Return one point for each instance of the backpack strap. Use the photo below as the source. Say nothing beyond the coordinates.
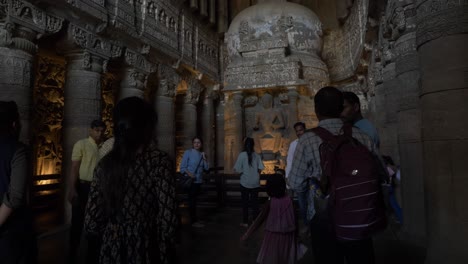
(324, 134)
(347, 130)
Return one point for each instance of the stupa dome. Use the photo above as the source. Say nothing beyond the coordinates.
(275, 23)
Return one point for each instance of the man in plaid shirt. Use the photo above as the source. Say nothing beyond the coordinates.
(306, 164)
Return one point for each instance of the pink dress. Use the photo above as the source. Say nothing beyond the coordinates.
(279, 242)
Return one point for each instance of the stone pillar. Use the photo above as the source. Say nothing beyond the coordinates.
(82, 97)
(233, 129)
(212, 11)
(208, 126)
(442, 38)
(189, 112)
(220, 131)
(409, 138)
(222, 16)
(133, 83)
(204, 8)
(389, 134)
(16, 68)
(165, 111)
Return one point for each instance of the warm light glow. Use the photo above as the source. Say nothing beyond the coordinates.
(45, 166)
(47, 192)
(47, 182)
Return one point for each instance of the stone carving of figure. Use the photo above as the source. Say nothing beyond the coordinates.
(5, 35)
(267, 122)
(139, 80)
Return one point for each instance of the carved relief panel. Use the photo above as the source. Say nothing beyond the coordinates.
(48, 115)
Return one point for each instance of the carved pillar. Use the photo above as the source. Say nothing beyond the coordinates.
(409, 122)
(233, 129)
(441, 38)
(194, 4)
(220, 106)
(189, 111)
(133, 83)
(16, 61)
(165, 112)
(204, 8)
(82, 97)
(208, 125)
(222, 16)
(212, 11)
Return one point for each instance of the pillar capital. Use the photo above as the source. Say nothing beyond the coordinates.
(84, 60)
(79, 38)
(168, 81)
(436, 19)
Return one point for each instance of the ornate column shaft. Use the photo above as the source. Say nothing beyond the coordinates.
(212, 11)
(222, 15)
(189, 111)
(208, 126)
(441, 38)
(220, 106)
(233, 129)
(82, 96)
(165, 112)
(16, 68)
(409, 122)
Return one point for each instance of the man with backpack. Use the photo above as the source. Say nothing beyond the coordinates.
(343, 162)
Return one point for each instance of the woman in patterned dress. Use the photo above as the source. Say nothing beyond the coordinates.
(132, 202)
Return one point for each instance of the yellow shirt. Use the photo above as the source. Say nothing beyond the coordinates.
(86, 151)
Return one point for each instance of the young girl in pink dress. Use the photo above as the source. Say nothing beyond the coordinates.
(279, 243)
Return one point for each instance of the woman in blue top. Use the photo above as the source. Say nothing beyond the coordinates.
(193, 163)
(249, 165)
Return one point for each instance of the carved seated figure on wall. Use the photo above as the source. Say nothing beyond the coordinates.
(266, 133)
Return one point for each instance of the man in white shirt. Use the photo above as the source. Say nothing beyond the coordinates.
(300, 128)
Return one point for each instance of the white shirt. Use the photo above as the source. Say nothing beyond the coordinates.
(290, 157)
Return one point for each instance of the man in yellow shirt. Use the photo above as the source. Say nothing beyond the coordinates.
(85, 157)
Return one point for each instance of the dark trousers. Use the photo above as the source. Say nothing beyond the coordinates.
(17, 239)
(192, 201)
(77, 222)
(249, 199)
(327, 250)
(357, 252)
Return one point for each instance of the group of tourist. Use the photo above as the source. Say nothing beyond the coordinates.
(338, 177)
(124, 195)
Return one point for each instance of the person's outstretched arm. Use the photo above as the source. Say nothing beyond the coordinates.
(258, 221)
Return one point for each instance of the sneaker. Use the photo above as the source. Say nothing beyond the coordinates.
(244, 224)
(198, 225)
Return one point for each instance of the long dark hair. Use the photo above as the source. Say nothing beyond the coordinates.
(133, 126)
(276, 185)
(249, 148)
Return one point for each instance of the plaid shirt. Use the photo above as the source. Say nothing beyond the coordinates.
(306, 161)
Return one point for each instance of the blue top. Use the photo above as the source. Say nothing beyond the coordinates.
(190, 161)
(366, 126)
(250, 177)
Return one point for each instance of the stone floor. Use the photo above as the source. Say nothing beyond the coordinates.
(218, 242)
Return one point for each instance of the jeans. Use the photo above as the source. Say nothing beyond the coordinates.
(395, 206)
(302, 202)
(249, 199)
(192, 201)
